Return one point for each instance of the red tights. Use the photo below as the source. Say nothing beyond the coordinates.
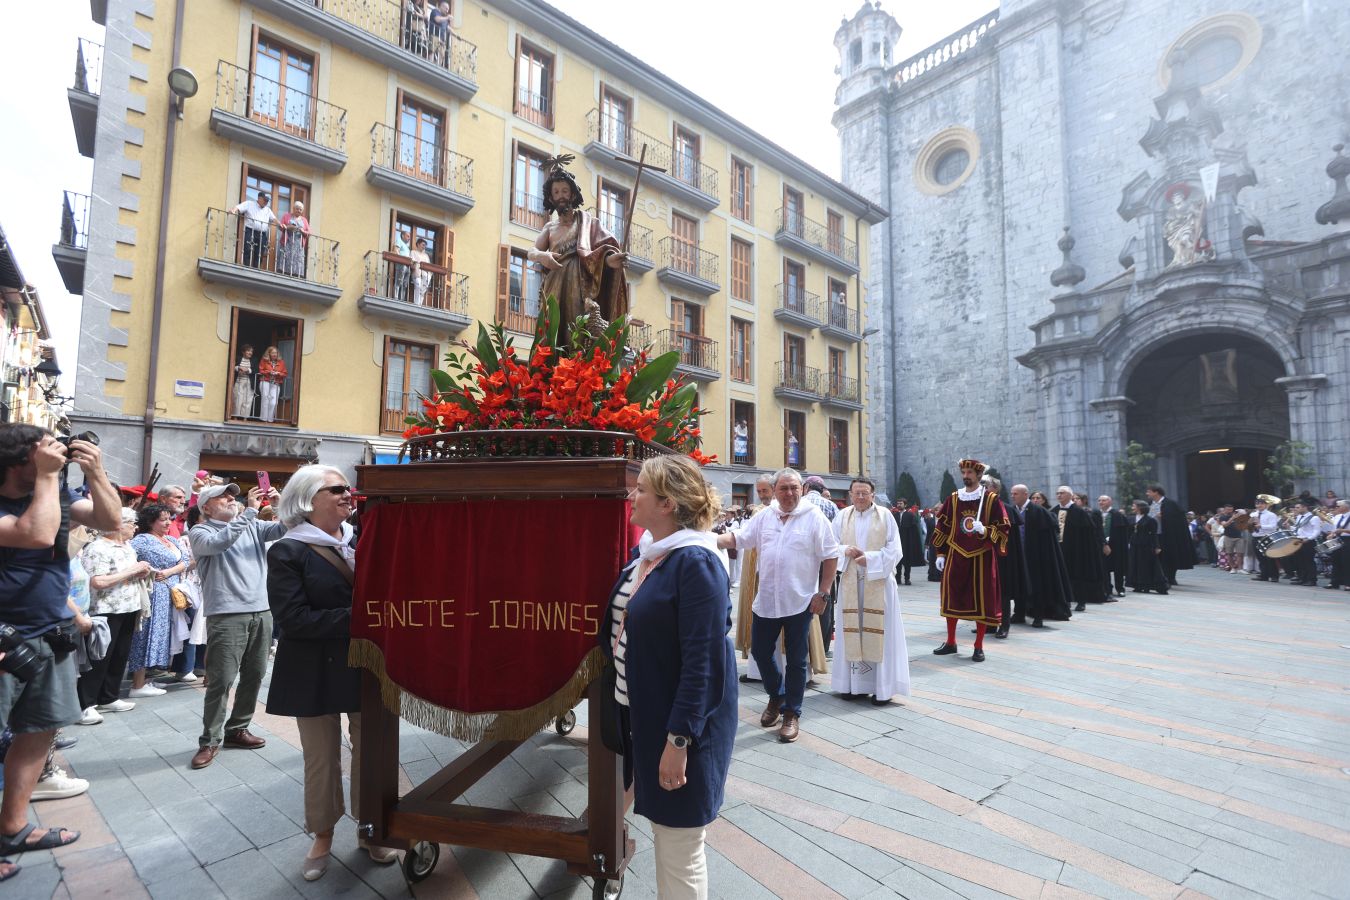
(980, 628)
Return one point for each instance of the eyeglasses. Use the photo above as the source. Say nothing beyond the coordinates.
(337, 490)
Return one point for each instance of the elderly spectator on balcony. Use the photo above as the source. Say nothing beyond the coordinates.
(271, 376)
(440, 33)
(242, 399)
(415, 18)
(402, 247)
(291, 244)
(421, 276)
(258, 221)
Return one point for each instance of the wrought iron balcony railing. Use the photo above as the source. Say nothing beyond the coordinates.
(798, 300)
(75, 221)
(639, 334)
(639, 237)
(816, 235)
(251, 96)
(394, 23)
(88, 67)
(423, 160)
(843, 317)
(694, 349)
(398, 405)
(400, 278)
(792, 377)
(840, 387)
(689, 258)
(535, 108)
(277, 251)
(528, 209)
(621, 137)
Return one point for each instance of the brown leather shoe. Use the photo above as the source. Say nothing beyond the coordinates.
(788, 733)
(243, 740)
(771, 715)
(205, 756)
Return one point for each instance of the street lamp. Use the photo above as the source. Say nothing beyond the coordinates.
(183, 84)
(867, 333)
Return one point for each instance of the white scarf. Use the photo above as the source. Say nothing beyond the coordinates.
(306, 533)
(650, 550)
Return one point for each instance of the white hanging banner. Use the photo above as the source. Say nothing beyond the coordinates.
(1209, 178)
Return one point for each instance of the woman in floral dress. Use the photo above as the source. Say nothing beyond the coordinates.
(150, 646)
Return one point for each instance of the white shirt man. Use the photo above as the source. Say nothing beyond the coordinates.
(866, 662)
(258, 214)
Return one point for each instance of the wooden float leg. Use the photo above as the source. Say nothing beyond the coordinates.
(379, 763)
(606, 832)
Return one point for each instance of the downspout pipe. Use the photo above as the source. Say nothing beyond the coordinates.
(157, 315)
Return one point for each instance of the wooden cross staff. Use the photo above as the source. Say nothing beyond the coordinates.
(641, 163)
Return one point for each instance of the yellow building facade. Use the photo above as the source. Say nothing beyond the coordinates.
(392, 128)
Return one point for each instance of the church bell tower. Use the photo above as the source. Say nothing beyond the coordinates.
(866, 45)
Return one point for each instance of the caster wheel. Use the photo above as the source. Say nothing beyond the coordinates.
(566, 722)
(420, 860)
(605, 889)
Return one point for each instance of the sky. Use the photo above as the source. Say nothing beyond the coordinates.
(768, 64)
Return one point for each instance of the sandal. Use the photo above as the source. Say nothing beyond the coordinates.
(18, 842)
(13, 870)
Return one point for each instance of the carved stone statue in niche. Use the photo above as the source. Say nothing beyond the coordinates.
(1184, 227)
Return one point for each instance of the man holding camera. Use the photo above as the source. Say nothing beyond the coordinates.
(37, 633)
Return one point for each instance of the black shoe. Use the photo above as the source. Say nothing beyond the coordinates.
(1137, 590)
(1162, 593)
(1037, 623)
(746, 679)
(944, 650)
(1110, 599)
(1325, 587)
(977, 656)
(908, 582)
(876, 702)
(1018, 620)
(1082, 607)
(1002, 631)
(1260, 578)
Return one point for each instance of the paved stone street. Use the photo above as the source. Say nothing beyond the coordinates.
(1190, 745)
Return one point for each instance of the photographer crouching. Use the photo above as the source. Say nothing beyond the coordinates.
(37, 634)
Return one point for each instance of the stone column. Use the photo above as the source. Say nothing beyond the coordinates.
(1108, 442)
(1067, 441)
(1303, 421)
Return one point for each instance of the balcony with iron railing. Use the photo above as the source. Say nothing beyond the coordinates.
(796, 382)
(686, 266)
(518, 313)
(537, 109)
(72, 246)
(841, 321)
(528, 209)
(798, 306)
(415, 293)
(271, 261)
(639, 334)
(272, 117)
(390, 35)
(813, 239)
(83, 94)
(398, 405)
(420, 170)
(698, 354)
(640, 258)
(840, 391)
(611, 140)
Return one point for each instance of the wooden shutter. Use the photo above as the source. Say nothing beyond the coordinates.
(447, 254)
(503, 280)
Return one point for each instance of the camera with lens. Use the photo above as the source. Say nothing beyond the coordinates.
(86, 436)
(20, 660)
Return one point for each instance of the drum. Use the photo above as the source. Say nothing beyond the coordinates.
(1328, 547)
(1279, 545)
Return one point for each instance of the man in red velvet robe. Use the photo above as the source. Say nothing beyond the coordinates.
(969, 535)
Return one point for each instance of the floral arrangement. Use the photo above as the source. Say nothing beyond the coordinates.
(597, 382)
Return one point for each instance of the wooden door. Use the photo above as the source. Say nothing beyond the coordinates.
(684, 252)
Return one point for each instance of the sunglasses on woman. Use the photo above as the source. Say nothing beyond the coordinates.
(337, 490)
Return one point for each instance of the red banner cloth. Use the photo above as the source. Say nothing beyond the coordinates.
(483, 606)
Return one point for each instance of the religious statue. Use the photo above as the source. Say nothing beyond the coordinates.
(581, 260)
(1183, 228)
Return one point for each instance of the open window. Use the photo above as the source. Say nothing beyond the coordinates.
(742, 433)
(407, 377)
(256, 395)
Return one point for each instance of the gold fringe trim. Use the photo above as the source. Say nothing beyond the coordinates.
(506, 725)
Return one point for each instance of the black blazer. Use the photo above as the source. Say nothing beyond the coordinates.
(312, 605)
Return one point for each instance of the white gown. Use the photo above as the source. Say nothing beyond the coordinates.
(890, 677)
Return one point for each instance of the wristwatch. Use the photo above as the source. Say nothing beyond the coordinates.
(678, 741)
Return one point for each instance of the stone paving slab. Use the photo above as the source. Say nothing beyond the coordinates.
(1137, 751)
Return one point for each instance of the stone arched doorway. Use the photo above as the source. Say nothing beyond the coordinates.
(1210, 407)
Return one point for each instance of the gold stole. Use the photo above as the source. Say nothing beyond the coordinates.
(868, 642)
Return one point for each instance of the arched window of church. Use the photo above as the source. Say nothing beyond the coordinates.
(951, 166)
(1212, 58)
(855, 52)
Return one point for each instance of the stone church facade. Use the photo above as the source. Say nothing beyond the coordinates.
(1199, 300)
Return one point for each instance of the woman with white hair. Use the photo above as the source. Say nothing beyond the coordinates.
(309, 588)
(119, 591)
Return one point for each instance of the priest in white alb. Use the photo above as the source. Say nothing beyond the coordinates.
(870, 655)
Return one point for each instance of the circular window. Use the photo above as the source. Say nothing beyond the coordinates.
(1213, 51)
(946, 161)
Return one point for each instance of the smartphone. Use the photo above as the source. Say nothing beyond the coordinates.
(265, 486)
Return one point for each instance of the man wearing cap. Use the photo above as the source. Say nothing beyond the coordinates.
(969, 535)
(258, 220)
(1266, 523)
(230, 548)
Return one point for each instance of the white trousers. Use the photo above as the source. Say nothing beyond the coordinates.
(270, 394)
(681, 865)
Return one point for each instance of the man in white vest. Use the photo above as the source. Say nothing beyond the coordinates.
(870, 652)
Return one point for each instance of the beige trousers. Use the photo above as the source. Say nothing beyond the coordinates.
(321, 745)
(681, 865)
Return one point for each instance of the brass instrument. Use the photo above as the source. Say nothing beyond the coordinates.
(1242, 522)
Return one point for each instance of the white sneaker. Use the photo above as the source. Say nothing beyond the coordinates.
(149, 690)
(118, 705)
(59, 786)
(186, 678)
(91, 717)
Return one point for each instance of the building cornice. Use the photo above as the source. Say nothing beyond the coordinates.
(569, 33)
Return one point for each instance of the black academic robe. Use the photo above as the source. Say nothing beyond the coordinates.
(1012, 568)
(911, 540)
(1049, 596)
(1178, 550)
(933, 573)
(1145, 572)
(1081, 544)
(1117, 529)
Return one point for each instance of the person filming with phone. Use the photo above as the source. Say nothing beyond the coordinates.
(37, 633)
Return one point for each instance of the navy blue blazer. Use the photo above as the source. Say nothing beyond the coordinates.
(681, 674)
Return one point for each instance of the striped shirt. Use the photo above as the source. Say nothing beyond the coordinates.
(618, 639)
